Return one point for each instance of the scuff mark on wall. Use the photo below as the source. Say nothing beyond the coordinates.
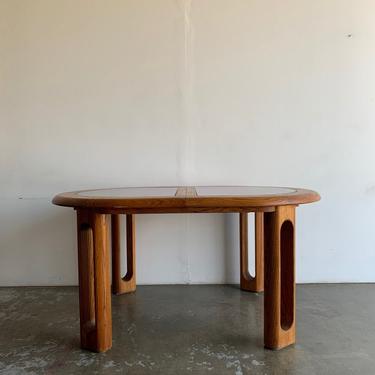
(370, 190)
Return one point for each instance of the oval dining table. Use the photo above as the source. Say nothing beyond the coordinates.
(274, 209)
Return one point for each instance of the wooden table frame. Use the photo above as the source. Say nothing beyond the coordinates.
(274, 260)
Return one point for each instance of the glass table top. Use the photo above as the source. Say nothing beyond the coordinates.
(241, 190)
(131, 192)
(203, 191)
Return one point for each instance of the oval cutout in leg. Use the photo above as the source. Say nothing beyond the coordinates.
(123, 284)
(287, 274)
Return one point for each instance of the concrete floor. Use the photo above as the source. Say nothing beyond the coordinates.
(189, 329)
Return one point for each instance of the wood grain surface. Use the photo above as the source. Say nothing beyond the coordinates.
(185, 199)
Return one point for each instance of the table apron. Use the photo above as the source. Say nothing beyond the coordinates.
(176, 210)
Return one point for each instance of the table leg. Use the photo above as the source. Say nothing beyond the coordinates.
(127, 283)
(94, 281)
(247, 282)
(279, 281)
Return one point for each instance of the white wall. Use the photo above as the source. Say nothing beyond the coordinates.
(115, 93)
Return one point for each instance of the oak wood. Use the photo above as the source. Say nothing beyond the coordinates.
(274, 234)
(186, 191)
(191, 191)
(247, 282)
(184, 201)
(279, 282)
(86, 280)
(94, 281)
(127, 283)
(176, 210)
(181, 192)
(259, 251)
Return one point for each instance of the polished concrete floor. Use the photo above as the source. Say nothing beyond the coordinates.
(189, 330)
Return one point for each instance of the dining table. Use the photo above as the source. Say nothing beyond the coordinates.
(99, 227)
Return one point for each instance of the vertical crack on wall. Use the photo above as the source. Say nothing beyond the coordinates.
(186, 159)
(187, 257)
(186, 153)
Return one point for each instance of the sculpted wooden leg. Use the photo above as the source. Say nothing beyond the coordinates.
(279, 281)
(94, 281)
(247, 282)
(127, 283)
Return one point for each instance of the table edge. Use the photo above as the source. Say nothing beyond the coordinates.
(299, 196)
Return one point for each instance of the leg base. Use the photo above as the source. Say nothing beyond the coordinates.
(279, 285)
(126, 284)
(94, 281)
(247, 282)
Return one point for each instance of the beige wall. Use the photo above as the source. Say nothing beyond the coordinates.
(115, 93)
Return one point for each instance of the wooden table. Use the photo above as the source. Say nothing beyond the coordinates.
(274, 210)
